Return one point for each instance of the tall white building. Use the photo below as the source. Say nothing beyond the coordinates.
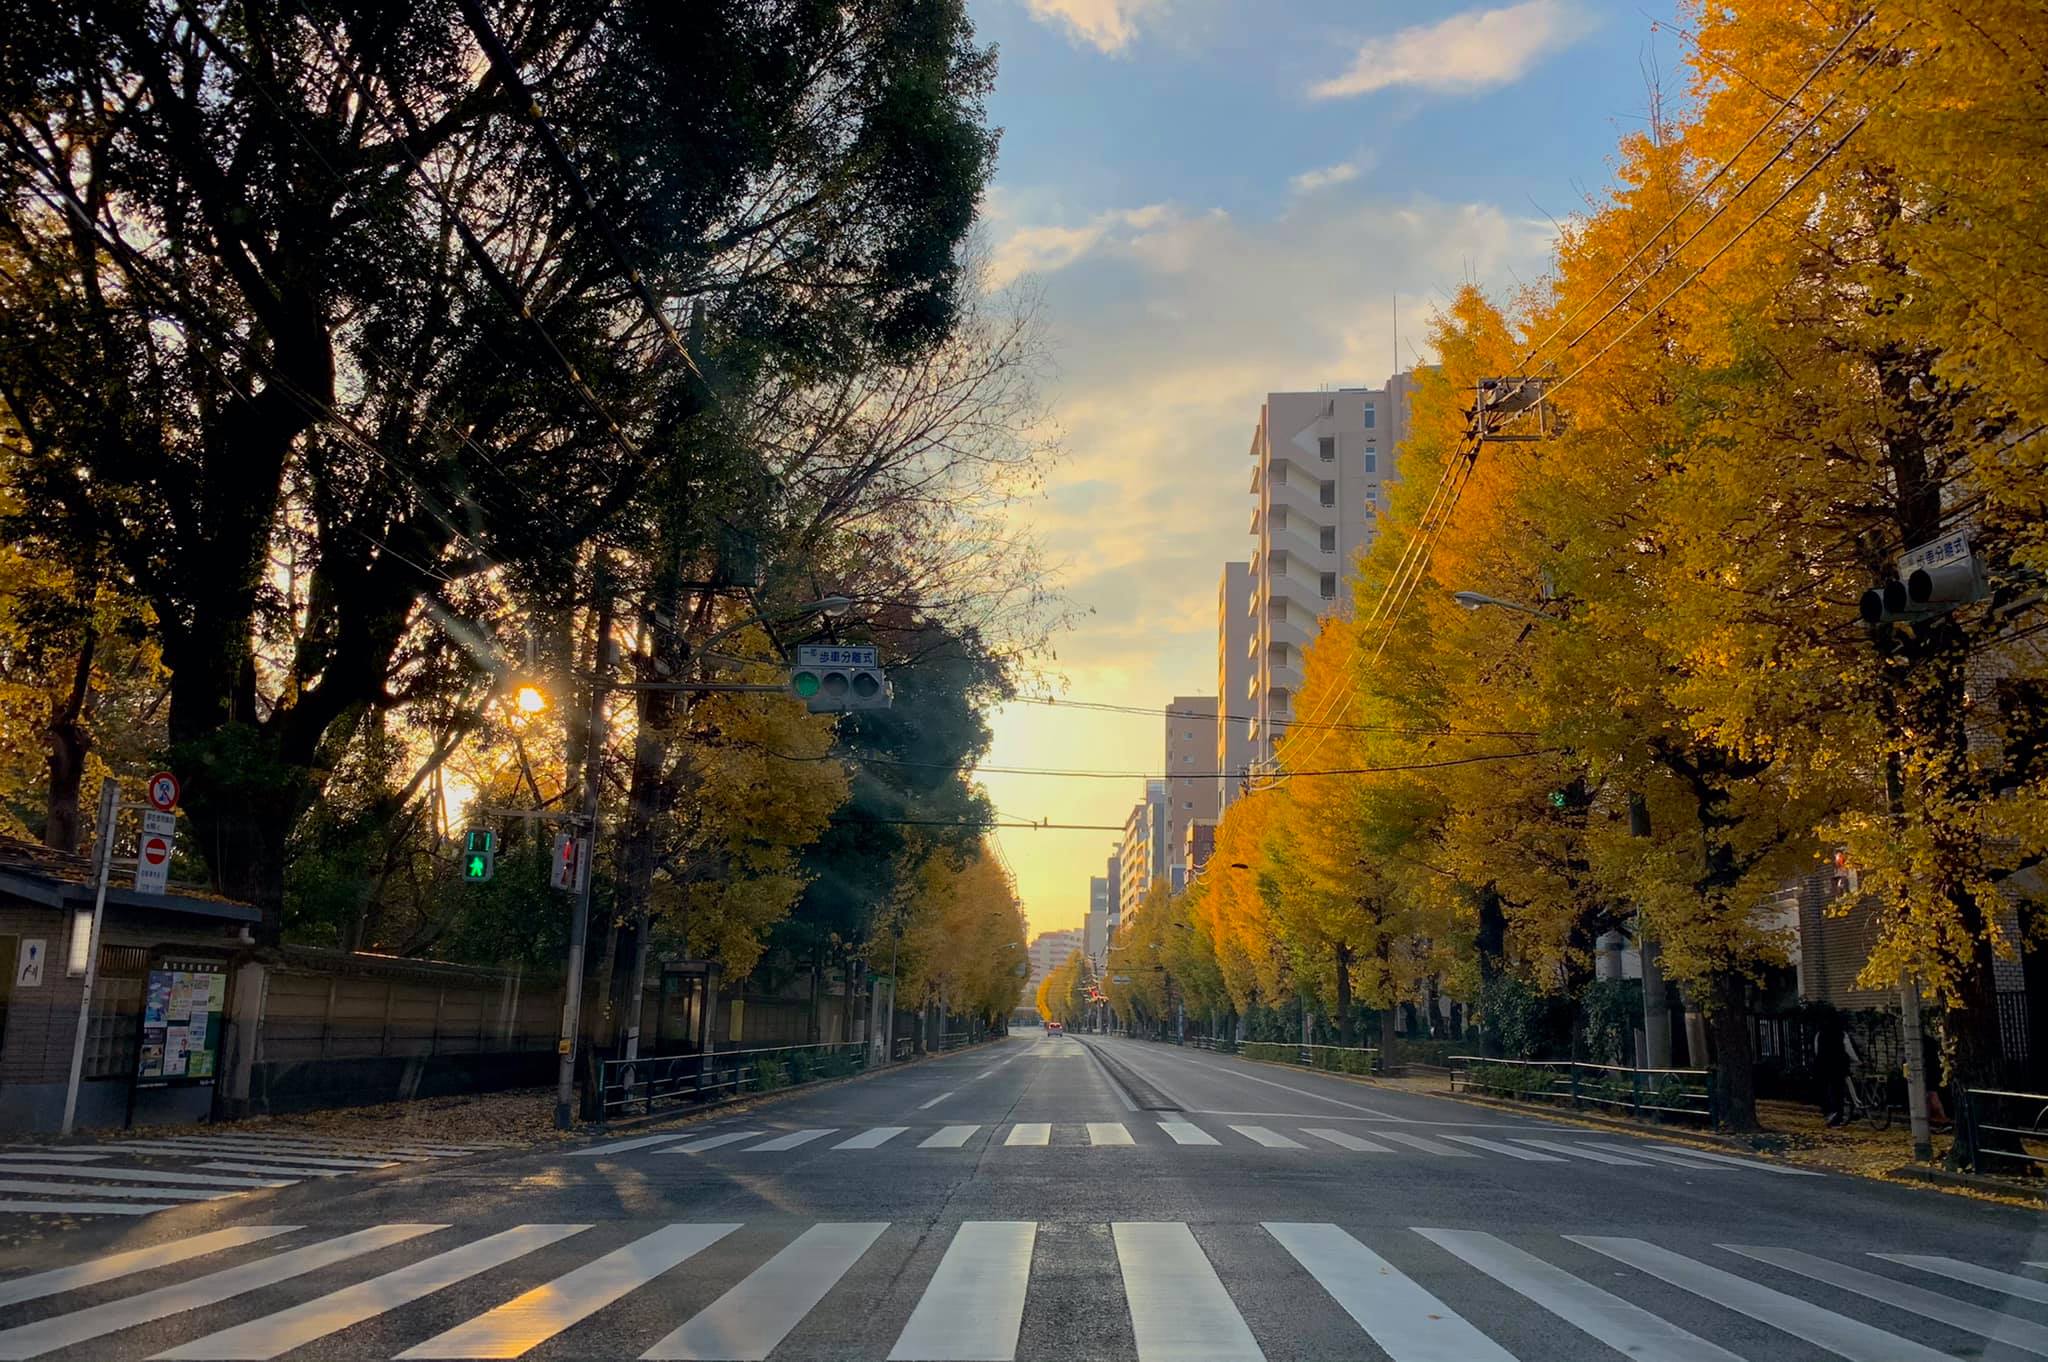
(1190, 777)
(1235, 698)
(1101, 908)
(1048, 951)
(1321, 463)
(1142, 861)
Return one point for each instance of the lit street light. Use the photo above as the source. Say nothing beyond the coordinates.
(1474, 600)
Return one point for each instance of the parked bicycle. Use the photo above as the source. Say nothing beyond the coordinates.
(1866, 1100)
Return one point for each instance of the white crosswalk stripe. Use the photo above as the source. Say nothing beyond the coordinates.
(1657, 1156)
(64, 1170)
(16, 1207)
(1733, 1162)
(2005, 1283)
(51, 1156)
(1346, 1140)
(125, 1191)
(1271, 1139)
(1109, 1133)
(1179, 1309)
(1511, 1150)
(279, 1170)
(872, 1139)
(790, 1141)
(1405, 1320)
(529, 1320)
(949, 1137)
(1579, 1151)
(1186, 1132)
(116, 1265)
(240, 1150)
(718, 1141)
(1034, 1133)
(598, 1151)
(1918, 1300)
(1850, 1338)
(974, 1307)
(273, 1334)
(97, 1321)
(1425, 1144)
(746, 1323)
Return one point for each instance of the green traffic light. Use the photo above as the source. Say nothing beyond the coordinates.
(805, 684)
(475, 869)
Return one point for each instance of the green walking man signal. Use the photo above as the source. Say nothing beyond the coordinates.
(479, 855)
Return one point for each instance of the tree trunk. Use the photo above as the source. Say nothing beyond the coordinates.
(1346, 1036)
(1492, 948)
(1734, 1064)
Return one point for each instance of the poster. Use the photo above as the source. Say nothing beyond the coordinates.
(181, 1026)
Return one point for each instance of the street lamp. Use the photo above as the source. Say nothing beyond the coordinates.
(1475, 600)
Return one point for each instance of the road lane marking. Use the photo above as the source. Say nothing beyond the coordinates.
(949, 1137)
(711, 1142)
(1405, 1320)
(1512, 1151)
(1756, 1164)
(96, 1270)
(54, 1156)
(923, 1106)
(1918, 1300)
(1628, 1329)
(273, 1169)
(621, 1146)
(1850, 1338)
(1183, 1132)
(1109, 1132)
(1179, 1309)
(1585, 1152)
(793, 1140)
(1271, 1139)
(974, 1306)
(126, 1190)
(2005, 1283)
(65, 1170)
(250, 1151)
(266, 1337)
(1637, 1151)
(1425, 1144)
(1030, 1133)
(872, 1139)
(1344, 1141)
(97, 1321)
(80, 1208)
(531, 1319)
(1298, 1092)
(747, 1322)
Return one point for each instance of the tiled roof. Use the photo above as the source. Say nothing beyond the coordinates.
(54, 878)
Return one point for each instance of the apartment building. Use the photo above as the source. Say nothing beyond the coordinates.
(1235, 747)
(1191, 790)
(1095, 928)
(1143, 857)
(1321, 465)
(1048, 951)
(1115, 877)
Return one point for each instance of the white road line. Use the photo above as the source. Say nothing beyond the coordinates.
(1850, 1338)
(97, 1321)
(1185, 1132)
(45, 1187)
(1271, 1139)
(529, 1320)
(1346, 1141)
(621, 1146)
(1425, 1144)
(96, 1270)
(793, 1140)
(1512, 1151)
(272, 1334)
(78, 1208)
(2005, 1283)
(926, 1106)
(1302, 1092)
(1580, 1151)
(1405, 1320)
(1917, 1300)
(1628, 1329)
(1756, 1165)
(246, 1151)
(746, 1323)
(272, 1169)
(1030, 1133)
(1637, 1151)
(53, 1156)
(147, 1175)
(712, 1142)
(974, 1306)
(1109, 1132)
(950, 1137)
(872, 1139)
(1179, 1310)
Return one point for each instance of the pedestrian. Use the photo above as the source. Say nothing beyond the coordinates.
(1830, 1065)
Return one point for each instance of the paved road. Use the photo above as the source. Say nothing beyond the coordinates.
(1057, 1199)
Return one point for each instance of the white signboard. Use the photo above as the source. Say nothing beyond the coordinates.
(1950, 548)
(153, 852)
(28, 966)
(836, 655)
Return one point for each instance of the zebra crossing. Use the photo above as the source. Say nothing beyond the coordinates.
(1189, 1293)
(1552, 1147)
(158, 1173)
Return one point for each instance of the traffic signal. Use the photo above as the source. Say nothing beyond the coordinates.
(1930, 580)
(571, 862)
(828, 688)
(479, 855)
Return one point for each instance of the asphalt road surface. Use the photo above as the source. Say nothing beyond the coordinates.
(1053, 1198)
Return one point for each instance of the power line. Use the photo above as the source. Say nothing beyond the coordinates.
(1076, 773)
(1056, 703)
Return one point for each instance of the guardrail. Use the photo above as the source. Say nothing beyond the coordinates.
(1222, 1045)
(638, 1086)
(1667, 1094)
(1336, 1059)
(2014, 1125)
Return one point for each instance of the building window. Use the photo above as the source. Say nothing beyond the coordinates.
(1279, 473)
(1329, 586)
(1329, 535)
(1329, 491)
(1326, 448)
(1372, 462)
(1372, 494)
(1187, 803)
(1369, 416)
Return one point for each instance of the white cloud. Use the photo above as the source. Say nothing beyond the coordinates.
(1045, 249)
(1476, 50)
(1309, 181)
(1106, 25)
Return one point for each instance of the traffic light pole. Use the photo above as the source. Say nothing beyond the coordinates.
(593, 780)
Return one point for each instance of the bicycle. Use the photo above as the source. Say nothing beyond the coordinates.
(1864, 1100)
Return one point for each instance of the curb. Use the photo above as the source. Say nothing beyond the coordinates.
(1973, 1182)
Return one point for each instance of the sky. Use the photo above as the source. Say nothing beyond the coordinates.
(1220, 198)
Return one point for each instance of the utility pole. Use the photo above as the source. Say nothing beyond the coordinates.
(593, 777)
(110, 807)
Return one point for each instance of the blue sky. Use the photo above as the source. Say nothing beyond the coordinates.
(1218, 198)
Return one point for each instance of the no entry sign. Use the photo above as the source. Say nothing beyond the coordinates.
(153, 852)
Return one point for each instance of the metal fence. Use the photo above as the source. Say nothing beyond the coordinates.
(1336, 1059)
(2005, 1132)
(1665, 1094)
(636, 1086)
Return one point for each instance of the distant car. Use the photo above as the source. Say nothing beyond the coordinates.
(1054, 1028)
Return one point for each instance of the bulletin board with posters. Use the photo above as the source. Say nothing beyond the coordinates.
(182, 1003)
